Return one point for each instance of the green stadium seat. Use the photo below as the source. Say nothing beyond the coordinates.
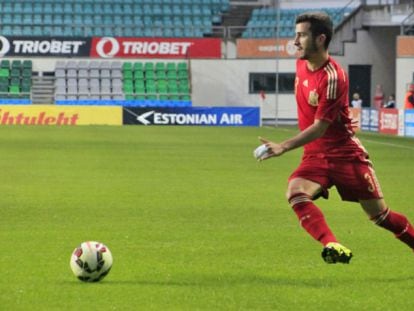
(27, 64)
(27, 72)
(26, 88)
(15, 81)
(140, 90)
(127, 66)
(172, 74)
(149, 74)
(151, 89)
(173, 90)
(182, 74)
(127, 74)
(138, 74)
(139, 83)
(162, 90)
(128, 88)
(4, 72)
(160, 67)
(161, 74)
(171, 67)
(139, 86)
(184, 81)
(183, 88)
(162, 83)
(4, 80)
(156, 80)
(128, 81)
(5, 64)
(15, 73)
(14, 89)
(150, 82)
(149, 66)
(27, 80)
(182, 66)
(138, 66)
(16, 64)
(172, 82)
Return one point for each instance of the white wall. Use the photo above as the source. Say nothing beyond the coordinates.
(41, 64)
(375, 47)
(405, 71)
(226, 83)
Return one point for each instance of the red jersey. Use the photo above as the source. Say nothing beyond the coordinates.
(323, 95)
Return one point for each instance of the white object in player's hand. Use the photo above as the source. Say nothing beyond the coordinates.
(260, 152)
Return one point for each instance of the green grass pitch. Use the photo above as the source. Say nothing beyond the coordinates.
(192, 220)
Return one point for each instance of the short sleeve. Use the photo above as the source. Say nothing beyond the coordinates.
(333, 95)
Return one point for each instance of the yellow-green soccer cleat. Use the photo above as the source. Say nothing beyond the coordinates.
(335, 252)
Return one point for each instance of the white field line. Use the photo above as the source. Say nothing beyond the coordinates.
(362, 139)
(388, 144)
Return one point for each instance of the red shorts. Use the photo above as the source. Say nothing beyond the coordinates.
(354, 178)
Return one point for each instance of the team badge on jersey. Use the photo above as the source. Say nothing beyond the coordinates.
(313, 99)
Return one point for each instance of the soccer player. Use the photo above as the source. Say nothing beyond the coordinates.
(332, 153)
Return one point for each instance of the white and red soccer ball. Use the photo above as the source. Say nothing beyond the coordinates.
(91, 261)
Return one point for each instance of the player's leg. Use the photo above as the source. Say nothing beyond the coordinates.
(395, 222)
(299, 194)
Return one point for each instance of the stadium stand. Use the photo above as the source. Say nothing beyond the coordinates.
(138, 18)
(165, 81)
(146, 83)
(127, 83)
(15, 81)
(263, 22)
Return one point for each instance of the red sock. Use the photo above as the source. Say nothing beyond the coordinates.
(311, 218)
(397, 224)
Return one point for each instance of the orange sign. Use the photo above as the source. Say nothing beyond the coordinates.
(266, 48)
(59, 115)
(405, 46)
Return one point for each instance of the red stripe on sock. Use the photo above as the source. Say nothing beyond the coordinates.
(399, 225)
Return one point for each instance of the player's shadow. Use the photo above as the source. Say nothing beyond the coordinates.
(234, 280)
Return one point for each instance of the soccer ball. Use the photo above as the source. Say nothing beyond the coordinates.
(91, 261)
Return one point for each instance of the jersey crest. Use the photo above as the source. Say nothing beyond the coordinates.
(313, 98)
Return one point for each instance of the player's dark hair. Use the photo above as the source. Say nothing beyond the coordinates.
(320, 23)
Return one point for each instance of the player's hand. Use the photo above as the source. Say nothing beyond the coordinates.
(274, 149)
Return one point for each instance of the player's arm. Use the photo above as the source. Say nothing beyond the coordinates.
(315, 131)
